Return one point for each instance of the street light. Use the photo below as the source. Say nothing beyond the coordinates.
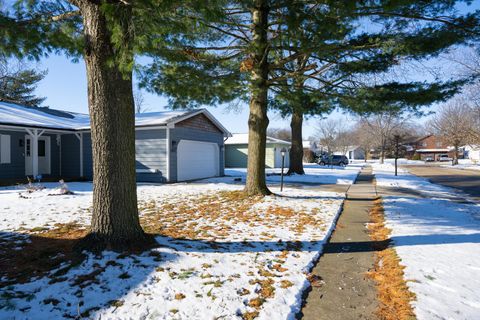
(397, 142)
(282, 152)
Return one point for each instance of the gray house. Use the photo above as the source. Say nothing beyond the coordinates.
(236, 152)
(170, 146)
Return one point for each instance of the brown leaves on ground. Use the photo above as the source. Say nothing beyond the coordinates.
(180, 296)
(214, 216)
(393, 294)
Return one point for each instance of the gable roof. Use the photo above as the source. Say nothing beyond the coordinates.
(242, 138)
(38, 117)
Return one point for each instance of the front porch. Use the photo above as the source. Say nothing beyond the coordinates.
(48, 154)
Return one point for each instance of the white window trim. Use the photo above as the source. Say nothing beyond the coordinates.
(5, 149)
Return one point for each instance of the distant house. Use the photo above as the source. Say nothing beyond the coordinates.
(472, 153)
(236, 151)
(353, 153)
(170, 146)
(430, 147)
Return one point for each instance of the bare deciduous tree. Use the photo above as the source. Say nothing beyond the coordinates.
(381, 127)
(363, 137)
(282, 133)
(139, 101)
(453, 124)
(334, 135)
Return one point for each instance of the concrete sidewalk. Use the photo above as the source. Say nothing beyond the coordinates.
(343, 290)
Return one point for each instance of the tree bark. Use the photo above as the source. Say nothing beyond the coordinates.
(258, 119)
(296, 151)
(115, 222)
(455, 156)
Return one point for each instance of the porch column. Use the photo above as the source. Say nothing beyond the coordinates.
(79, 135)
(35, 134)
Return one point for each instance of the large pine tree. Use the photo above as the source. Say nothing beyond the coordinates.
(107, 35)
(308, 57)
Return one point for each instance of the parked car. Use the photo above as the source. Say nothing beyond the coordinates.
(428, 159)
(335, 160)
(444, 157)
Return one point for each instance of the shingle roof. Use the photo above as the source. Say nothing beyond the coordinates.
(19, 115)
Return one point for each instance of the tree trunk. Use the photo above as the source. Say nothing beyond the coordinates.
(382, 152)
(115, 222)
(258, 120)
(296, 151)
(455, 156)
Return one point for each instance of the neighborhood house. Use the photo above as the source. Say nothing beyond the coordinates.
(236, 152)
(170, 146)
(429, 148)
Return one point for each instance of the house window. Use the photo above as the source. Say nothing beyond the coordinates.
(41, 148)
(5, 156)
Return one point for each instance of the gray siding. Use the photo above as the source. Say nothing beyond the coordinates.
(150, 146)
(16, 168)
(178, 134)
(150, 154)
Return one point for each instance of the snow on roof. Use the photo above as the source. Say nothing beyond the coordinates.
(14, 114)
(306, 143)
(433, 150)
(242, 138)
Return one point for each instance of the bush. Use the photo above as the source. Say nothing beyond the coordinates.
(416, 156)
(308, 156)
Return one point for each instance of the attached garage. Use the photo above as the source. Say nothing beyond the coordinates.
(197, 160)
(170, 146)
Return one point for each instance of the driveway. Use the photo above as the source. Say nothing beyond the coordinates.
(468, 181)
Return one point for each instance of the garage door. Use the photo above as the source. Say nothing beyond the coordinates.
(197, 160)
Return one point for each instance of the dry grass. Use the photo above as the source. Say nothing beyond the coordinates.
(211, 217)
(393, 294)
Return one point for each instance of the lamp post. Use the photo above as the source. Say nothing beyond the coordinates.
(397, 142)
(282, 152)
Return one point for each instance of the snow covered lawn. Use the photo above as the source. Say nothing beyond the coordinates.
(314, 173)
(438, 240)
(221, 255)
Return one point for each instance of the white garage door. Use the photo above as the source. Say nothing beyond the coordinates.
(196, 160)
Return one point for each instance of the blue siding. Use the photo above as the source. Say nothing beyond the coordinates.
(16, 168)
(87, 156)
(150, 148)
(54, 155)
(70, 156)
(179, 133)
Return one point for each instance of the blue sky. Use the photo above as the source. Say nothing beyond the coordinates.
(65, 87)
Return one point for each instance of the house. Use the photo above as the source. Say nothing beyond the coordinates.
(352, 153)
(236, 151)
(472, 153)
(170, 146)
(430, 147)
